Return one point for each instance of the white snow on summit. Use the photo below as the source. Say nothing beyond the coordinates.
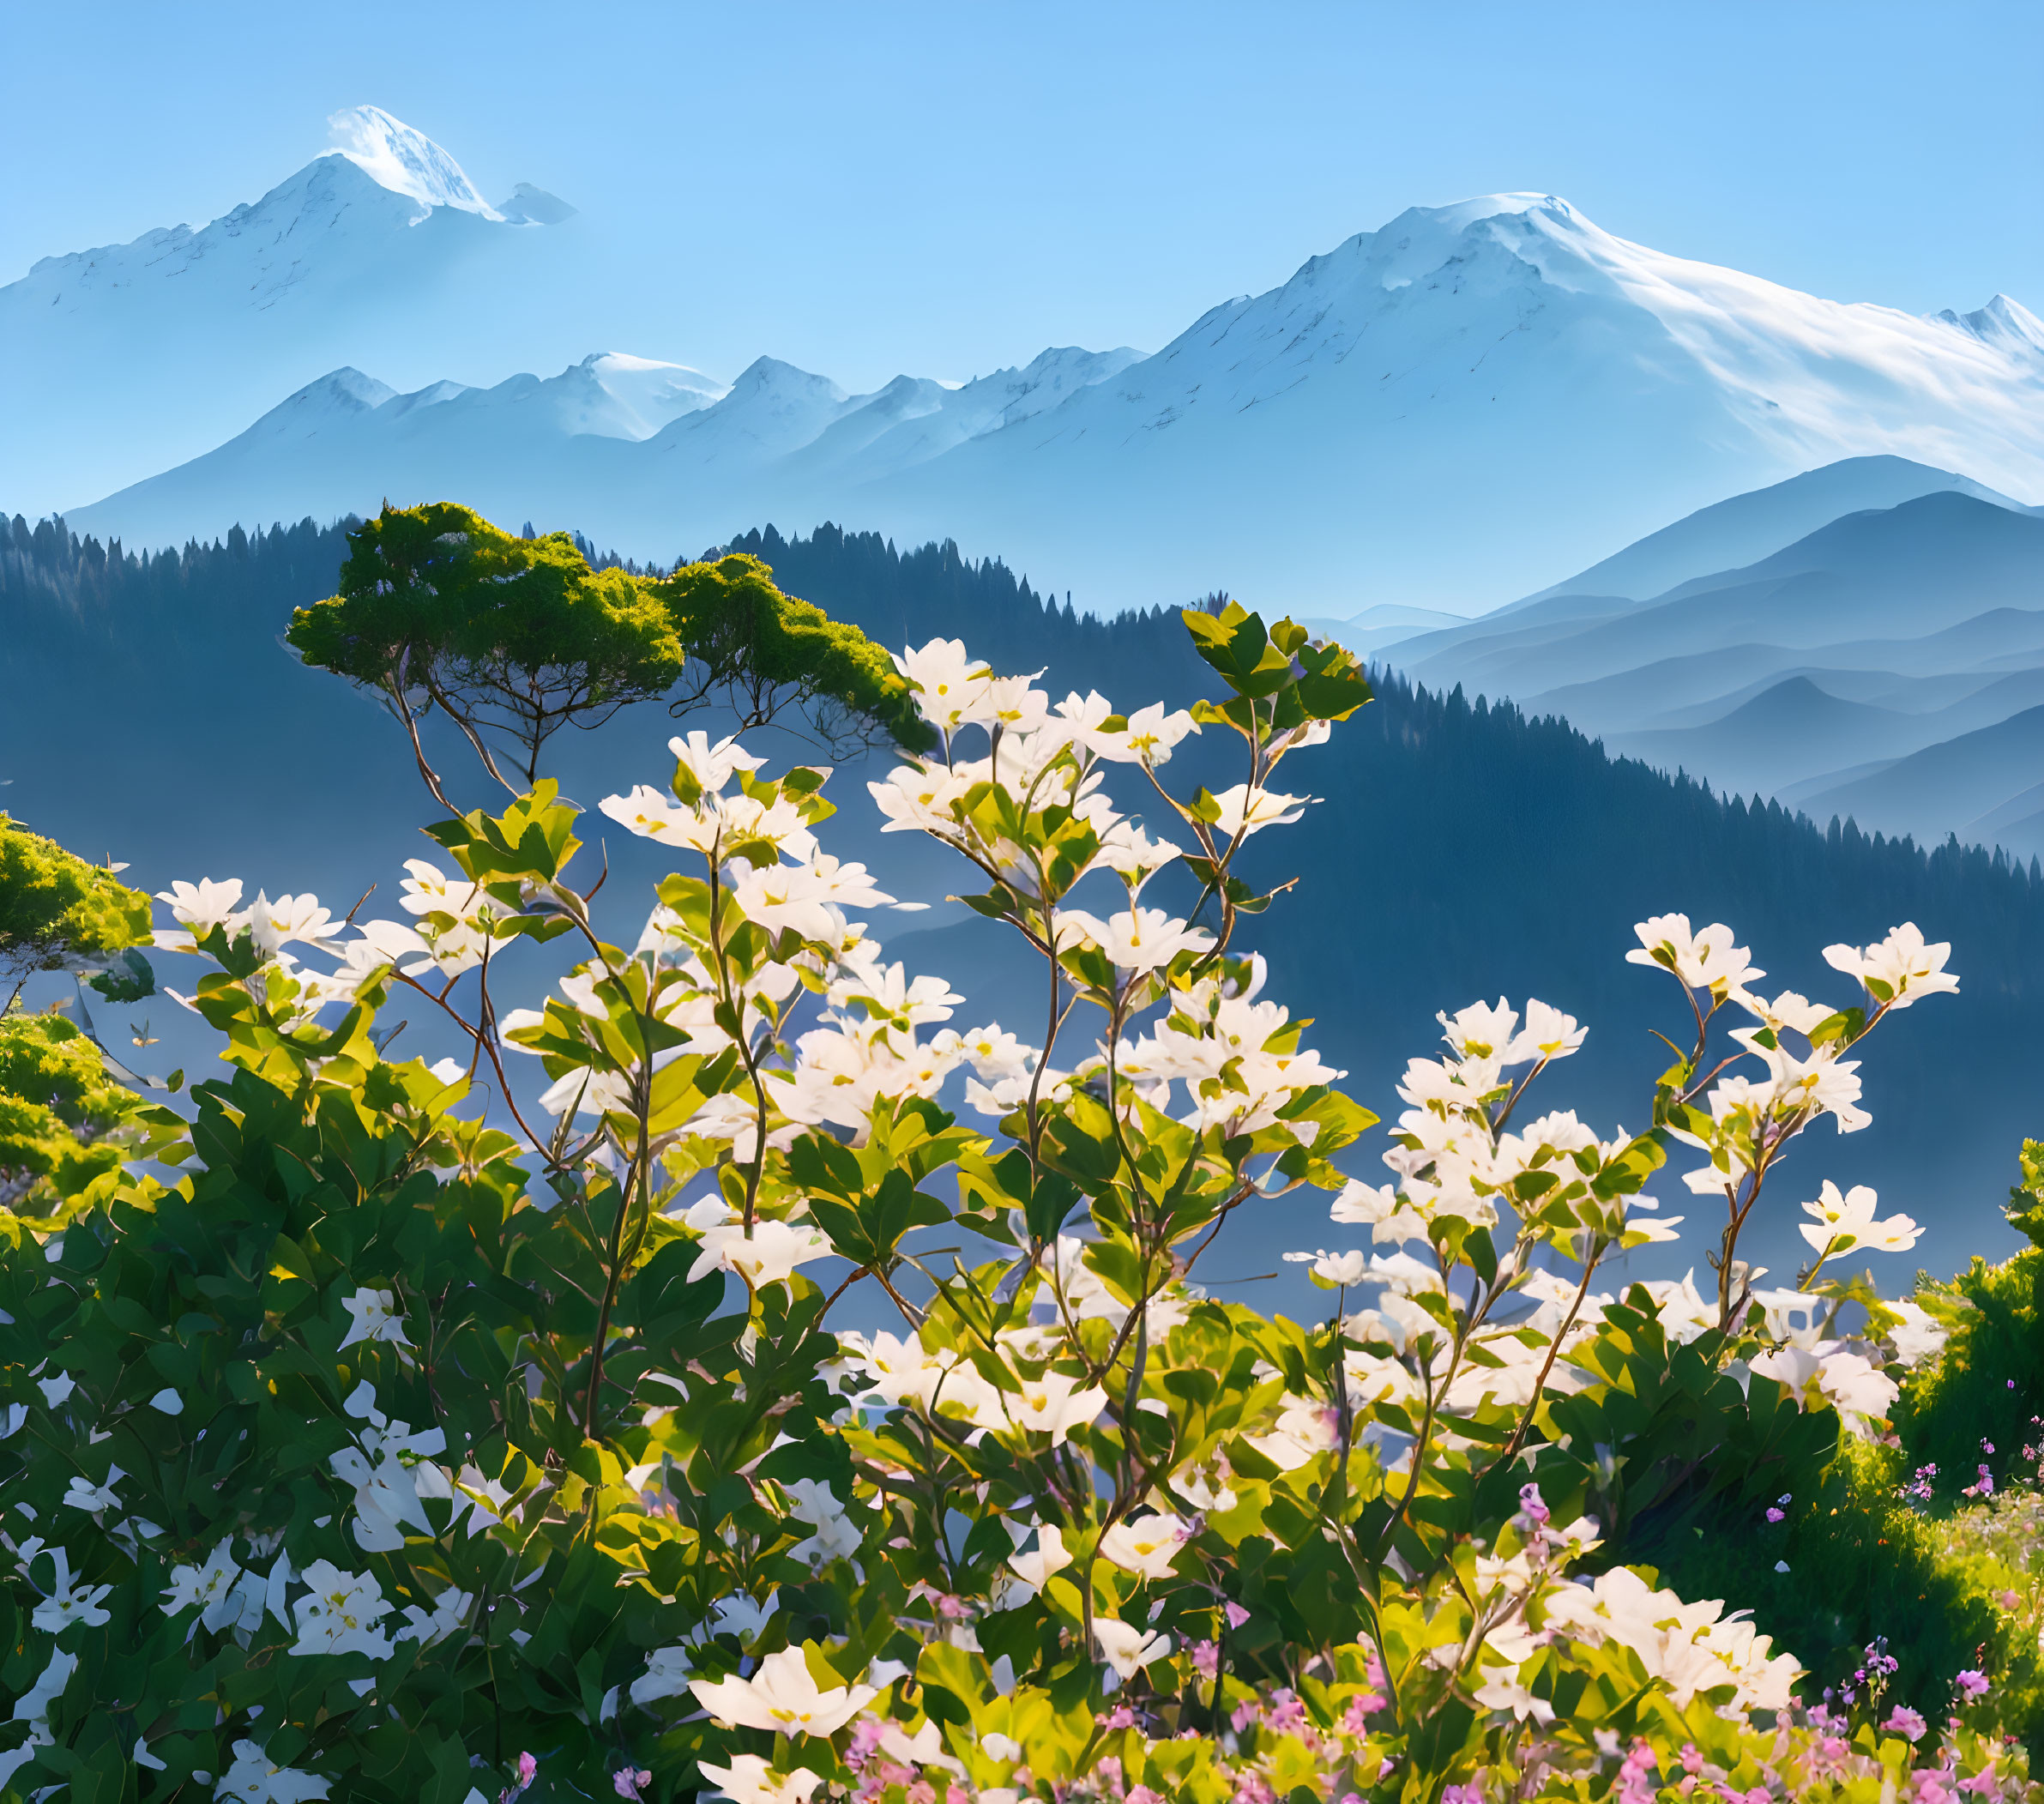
(395, 156)
(1469, 402)
(124, 359)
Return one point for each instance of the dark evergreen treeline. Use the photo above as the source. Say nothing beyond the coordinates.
(58, 589)
(1465, 850)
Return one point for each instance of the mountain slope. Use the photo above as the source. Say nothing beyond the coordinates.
(1747, 528)
(1947, 786)
(1592, 844)
(138, 356)
(1929, 564)
(1425, 416)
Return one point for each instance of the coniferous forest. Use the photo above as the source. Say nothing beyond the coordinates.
(1492, 851)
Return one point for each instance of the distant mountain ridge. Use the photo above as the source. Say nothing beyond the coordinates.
(1430, 415)
(146, 352)
(1831, 672)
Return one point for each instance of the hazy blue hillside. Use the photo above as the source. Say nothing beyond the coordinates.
(1464, 850)
(1731, 533)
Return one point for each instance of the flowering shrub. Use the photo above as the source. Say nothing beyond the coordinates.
(385, 1434)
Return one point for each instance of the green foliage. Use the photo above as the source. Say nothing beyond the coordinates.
(59, 913)
(512, 638)
(1988, 1385)
(1077, 1528)
(59, 1118)
(765, 654)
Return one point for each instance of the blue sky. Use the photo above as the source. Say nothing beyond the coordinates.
(865, 190)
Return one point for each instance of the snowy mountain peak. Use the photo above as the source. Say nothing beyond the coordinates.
(393, 156)
(344, 390)
(2006, 324)
(531, 206)
(767, 378)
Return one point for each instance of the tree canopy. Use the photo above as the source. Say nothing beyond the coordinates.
(59, 913)
(764, 653)
(513, 638)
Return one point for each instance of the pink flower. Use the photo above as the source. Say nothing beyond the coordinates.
(1354, 1717)
(1972, 1684)
(1931, 1787)
(1121, 1717)
(1143, 1795)
(959, 1795)
(922, 1792)
(1774, 1515)
(626, 1783)
(1692, 1762)
(1906, 1722)
(865, 1739)
(1534, 1507)
(1245, 1714)
(1206, 1658)
(1235, 1614)
(1471, 1794)
(1982, 1782)
(1287, 1715)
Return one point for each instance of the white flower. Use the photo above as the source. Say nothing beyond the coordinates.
(993, 1054)
(708, 767)
(1146, 1544)
(83, 1494)
(253, 1780)
(1127, 1648)
(449, 1612)
(749, 1780)
(667, 1675)
(1706, 960)
(1152, 732)
(951, 688)
(1548, 1033)
(1789, 1010)
(1050, 1556)
(653, 816)
(1898, 970)
(57, 1388)
(209, 1585)
(1918, 1336)
(65, 1605)
(340, 1614)
(376, 1317)
(274, 924)
(768, 1255)
(1136, 939)
(168, 1402)
(1333, 1271)
(1054, 1405)
(1244, 811)
(32, 1707)
(783, 1697)
(1844, 1223)
(1128, 851)
(588, 1092)
(1822, 1081)
(205, 905)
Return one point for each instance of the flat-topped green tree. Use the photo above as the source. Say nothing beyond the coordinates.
(510, 638)
(514, 638)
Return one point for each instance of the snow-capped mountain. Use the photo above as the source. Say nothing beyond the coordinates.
(144, 354)
(609, 422)
(1471, 398)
